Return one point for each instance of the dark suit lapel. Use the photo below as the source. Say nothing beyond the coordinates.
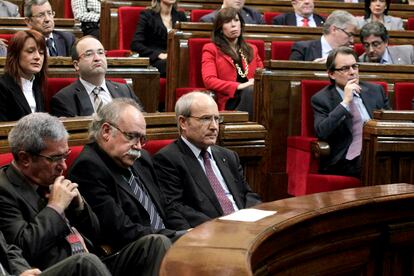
(38, 98)
(291, 19)
(19, 96)
(83, 100)
(114, 89)
(369, 102)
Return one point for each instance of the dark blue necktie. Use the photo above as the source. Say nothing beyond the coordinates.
(52, 50)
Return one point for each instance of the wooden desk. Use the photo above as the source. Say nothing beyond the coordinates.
(362, 231)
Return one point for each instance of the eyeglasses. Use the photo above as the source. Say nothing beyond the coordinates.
(133, 137)
(206, 120)
(91, 53)
(347, 68)
(42, 15)
(374, 44)
(55, 158)
(349, 34)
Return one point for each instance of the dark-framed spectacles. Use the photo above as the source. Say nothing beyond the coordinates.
(91, 53)
(133, 137)
(349, 34)
(42, 15)
(55, 158)
(206, 120)
(347, 68)
(374, 44)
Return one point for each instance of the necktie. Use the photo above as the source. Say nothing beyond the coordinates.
(354, 149)
(305, 21)
(146, 202)
(97, 101)
(52, 50)
(224, 201)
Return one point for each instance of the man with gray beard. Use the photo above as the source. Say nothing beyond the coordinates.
(117, 178)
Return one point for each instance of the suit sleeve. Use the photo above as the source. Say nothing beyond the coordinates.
(297, 52)
(59, 108)
(278, 20)
(16, 262)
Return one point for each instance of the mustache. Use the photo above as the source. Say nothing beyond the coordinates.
(134, 153)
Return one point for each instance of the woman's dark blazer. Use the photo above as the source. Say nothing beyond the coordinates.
(13, 104)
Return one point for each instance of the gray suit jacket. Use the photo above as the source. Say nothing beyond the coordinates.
(8, 9)
(390, 22)
(250, 16)
(73, 100)
(399, 54)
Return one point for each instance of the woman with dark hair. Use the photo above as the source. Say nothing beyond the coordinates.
(150, 39)
(24, 78)
(376, 11)
(229, 63)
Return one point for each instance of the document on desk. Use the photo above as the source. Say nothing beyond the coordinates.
(248, 215)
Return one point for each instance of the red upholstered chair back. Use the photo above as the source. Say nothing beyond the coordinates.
(359, 48)
(197, 14)
(268, 16)
(403, 95)
(153, 146)
(75, 151)
(118, 53)
(5, 158)
(6, 36)
(281, 49)
(68, 13)
(127, 23)
(410, 24)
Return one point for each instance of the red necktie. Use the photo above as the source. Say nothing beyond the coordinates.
(305, 21)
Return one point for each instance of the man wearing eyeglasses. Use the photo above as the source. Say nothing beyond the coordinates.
(91, 91)
(40, 17)
(200, 180)
(340, 111)
(303, 15)
(374, 37)
(338, 30)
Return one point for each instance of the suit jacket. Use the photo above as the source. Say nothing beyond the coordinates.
(219, 72)
(63, 42)
(73, 100)
(289, 19)
(123, 219)
(399, 54)
(8, 9)
(390, 22)
(187, 188)
(13, 104)
(38, 230)
(306, 50)
(150, 38)
(250, 16)
(11, 258)
(333, 122)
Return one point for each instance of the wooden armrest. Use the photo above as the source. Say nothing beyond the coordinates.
(320, 149)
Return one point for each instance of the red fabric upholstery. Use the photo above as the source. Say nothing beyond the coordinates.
(410, 24)
(75, 150)
(163, 87)
(403, 95)
(67, 9)
(197, 14)
(118, 53)
(281, 49)
(268, 16)
(127, 23)
(153, 146)
(5, 158)
(7, 37)
(359, 48)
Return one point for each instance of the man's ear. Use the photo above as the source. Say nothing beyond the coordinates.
(106, 131)
(181, 122)
(331, 75)
(24, 158)
(76, 65)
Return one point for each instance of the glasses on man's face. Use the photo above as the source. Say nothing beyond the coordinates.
(133, 137)
(347, 68)
(349, 34)
(55, 158)
(374, 44)
(91, 53)
(206, 120)
(42, 15)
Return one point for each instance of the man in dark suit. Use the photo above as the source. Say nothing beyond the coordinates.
(117, 178)
(250, 16)
(40, 17)
(200, 180)
(338, 30)
(80, 98)
(302, 16)
(39, 208)
(341, 109)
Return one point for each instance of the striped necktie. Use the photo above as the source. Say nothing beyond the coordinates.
(51, 47)
(97, 101)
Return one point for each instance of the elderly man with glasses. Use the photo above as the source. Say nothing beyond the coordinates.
(341, 109)
(40, 17)
(91, 91)
(374, 37)
(338, 30)
(200, 180)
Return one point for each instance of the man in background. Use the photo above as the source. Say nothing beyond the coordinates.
(303, 15)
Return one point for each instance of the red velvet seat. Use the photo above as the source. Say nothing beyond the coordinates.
(6, 37)
(410, 24)
(5, 158)
(118, 53)
(268, 17)
(153, 146)
(359, 48)
(75, 151)
(403, 95)
(68, 13)
(128, 18)
(281, 49)
(197, 14)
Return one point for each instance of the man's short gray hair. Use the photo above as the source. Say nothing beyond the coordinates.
(30, 133)
(28, 6)
(110, 113)
(340, 19)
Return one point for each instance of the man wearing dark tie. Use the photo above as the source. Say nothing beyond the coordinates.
(39, 15)
(200, 180)
(303, 15)
(341, 109)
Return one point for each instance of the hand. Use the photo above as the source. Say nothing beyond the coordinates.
(62, 192)
(162, 56)
(244, 85)
(31, 272)
(320, 60)
(3, 42)
(349, 89)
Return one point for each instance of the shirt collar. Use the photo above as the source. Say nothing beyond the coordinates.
(326, 48)
(194, 148)
(386, 58)
(89, 86)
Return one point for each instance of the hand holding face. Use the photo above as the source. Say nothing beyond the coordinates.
(349, 89)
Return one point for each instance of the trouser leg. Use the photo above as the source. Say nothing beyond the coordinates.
(246, 101)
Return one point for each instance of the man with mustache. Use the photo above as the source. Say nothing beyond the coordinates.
(91, 91)
(200, 180)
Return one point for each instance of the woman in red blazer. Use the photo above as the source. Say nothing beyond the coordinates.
(229, 63)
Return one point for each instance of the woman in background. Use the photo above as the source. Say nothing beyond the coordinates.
(229, 63)
(150, 39)
(25, 71)
(376, 11)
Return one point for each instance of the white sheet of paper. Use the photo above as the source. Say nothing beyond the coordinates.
(248, 215)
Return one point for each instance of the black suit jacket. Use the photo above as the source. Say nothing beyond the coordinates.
(73, 100)
(39, 231)
(63, 42)
(289, 19)
(11, 258)
(13, 104)
(306, 50)
(123, 219)
(186, 186)
(333, 122)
